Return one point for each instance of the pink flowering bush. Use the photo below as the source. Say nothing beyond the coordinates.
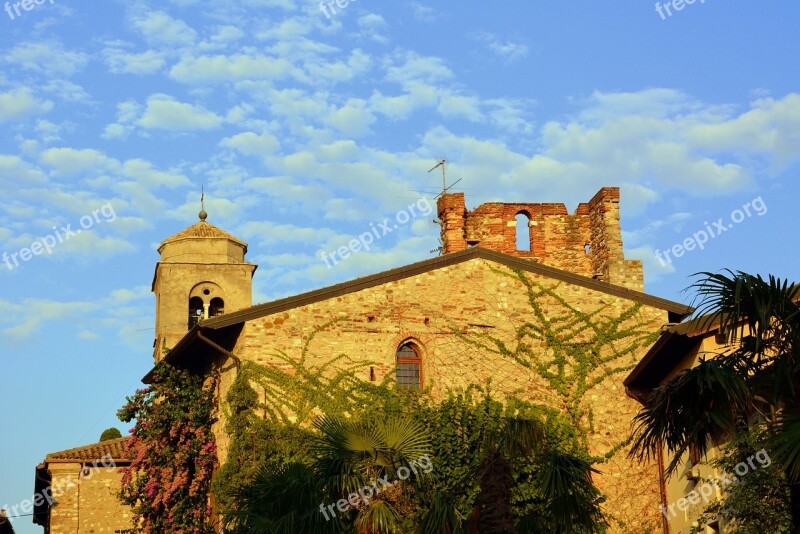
(173, 454)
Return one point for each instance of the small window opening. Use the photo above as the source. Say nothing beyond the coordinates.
(523, 232)
(217, 307)
(587, 248)
(195, 311)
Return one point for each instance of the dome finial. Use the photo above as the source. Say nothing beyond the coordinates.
(203, 215)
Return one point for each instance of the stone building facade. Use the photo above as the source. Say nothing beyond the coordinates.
(76, 490)
(434, 324)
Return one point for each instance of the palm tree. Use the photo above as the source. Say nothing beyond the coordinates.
(759, 378)
(377, 460)
(370, 465)
(569, 501)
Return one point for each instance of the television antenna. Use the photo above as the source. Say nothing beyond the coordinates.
(442, 162)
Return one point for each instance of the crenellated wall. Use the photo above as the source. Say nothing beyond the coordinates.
(588, 242)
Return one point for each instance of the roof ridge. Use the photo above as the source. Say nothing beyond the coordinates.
(115, 447)
(434, 263)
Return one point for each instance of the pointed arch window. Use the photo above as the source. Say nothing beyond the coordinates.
(409, 366)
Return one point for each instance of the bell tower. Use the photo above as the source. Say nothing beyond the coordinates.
(202, 273)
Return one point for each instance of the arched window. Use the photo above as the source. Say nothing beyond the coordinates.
(409, 374)
(523, 232)
(195, 311)
(217, 307)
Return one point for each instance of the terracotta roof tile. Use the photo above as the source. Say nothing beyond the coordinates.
(203, 230)
(114, 447)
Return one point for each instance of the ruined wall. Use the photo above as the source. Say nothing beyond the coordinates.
(588, 242)
(474, 299)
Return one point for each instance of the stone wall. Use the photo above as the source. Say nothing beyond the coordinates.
(588, 242)
(444, 312)
(89, 504)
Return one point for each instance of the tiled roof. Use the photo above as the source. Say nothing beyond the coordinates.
(116, 448)
(203, 230)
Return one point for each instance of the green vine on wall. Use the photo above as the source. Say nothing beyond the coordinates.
(573, 351)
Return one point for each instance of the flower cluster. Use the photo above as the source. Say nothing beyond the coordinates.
(173, 453)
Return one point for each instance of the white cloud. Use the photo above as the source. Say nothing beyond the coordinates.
(28, 318)
(252, 144)
(160, 29)
(508, 51)
(70, 161)
(20, 104)
(372, 27)
(121, 62)
(142, 171)
(165, 113)
(353, 119)
(14, 170)
(47, 57)
(228, 69)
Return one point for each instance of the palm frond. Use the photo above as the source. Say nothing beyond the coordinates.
(690, 409)
(281, 500)
(404, 439)
(441, 517)
(740, 299)
(573, 499)
(378, 518)
(521, 437)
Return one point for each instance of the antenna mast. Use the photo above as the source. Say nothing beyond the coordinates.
(443, 164)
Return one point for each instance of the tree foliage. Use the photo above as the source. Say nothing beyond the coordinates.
(110, 433)
(754, 383)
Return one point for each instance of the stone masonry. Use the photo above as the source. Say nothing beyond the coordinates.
(433, 310)
(588, 243)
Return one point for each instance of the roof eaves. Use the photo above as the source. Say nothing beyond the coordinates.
(189, 338)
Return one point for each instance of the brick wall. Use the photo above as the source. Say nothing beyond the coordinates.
(588, 242)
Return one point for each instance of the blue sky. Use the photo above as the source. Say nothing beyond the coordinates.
(305, 129)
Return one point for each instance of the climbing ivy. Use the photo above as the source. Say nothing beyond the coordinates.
(572, 350)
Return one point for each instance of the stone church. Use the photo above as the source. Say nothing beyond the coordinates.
(566, 307)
